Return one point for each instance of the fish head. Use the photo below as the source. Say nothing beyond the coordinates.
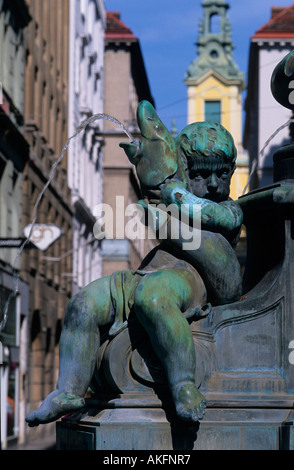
(151, 127)
(156, 155)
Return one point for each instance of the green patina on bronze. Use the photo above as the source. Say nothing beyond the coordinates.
(156, 157)
(207, 144)
(289, 64)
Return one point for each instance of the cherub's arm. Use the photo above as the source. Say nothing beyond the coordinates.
(224, 217)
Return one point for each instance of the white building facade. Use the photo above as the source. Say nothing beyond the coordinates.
(264, 115)
(85, 167)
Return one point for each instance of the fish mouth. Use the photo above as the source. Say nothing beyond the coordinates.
(133, 149)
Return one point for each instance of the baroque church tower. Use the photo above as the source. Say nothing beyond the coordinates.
(215, 83)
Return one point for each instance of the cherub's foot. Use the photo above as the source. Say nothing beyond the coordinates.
(190, 403)
(55, 405)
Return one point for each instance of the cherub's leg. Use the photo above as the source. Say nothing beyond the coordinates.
(79, 344)
(160, 300)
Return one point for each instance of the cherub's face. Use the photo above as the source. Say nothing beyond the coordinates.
(211, 184)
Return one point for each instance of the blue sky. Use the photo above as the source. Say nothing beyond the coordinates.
(168, 30)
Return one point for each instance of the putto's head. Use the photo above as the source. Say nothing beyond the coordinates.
(209, 154)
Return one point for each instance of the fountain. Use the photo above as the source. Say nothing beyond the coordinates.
(242, 342)
(245, 366)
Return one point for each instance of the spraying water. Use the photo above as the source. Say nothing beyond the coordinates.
(79, 129)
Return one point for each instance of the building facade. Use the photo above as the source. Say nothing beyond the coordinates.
(85, 164)
(268, 46)
(14, 155)
(126, 84)
(215, 83)
(46, 130)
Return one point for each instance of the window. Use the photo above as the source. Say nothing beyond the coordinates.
(7, 300)
(214, 24)
(212, 111)
(10, 369)
(214, 54)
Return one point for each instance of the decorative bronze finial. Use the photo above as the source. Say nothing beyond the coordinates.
(282, 81)
(282, 87)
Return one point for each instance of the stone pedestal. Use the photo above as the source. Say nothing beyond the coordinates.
(148, 429)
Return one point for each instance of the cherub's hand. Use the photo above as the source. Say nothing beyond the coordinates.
(167, 188)
(170, 181)
(162, 194)
(143, 203)
(153, 196)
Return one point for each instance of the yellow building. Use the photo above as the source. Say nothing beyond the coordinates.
(215, 83)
